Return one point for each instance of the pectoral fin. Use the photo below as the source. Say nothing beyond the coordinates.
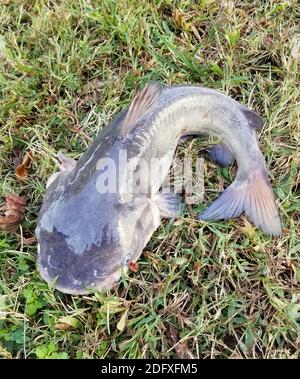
(221, 154)
(66, 163)
(169, 204)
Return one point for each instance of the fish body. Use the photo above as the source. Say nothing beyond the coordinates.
(89, 230)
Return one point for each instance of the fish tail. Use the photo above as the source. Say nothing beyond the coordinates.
(251, 194)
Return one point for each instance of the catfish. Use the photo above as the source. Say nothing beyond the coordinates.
(88, 236)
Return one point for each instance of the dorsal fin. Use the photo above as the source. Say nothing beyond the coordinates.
(254, 120)
(141, 104)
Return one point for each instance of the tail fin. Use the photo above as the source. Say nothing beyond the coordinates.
(252, 195)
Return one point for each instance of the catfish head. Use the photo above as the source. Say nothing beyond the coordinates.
(86, 240)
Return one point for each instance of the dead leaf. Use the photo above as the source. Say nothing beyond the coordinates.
(94, 85)
(13, 213)
(67, 322)
(112, 306)
(16, 157)
(122, 323)
(21, 170)
(134, 267)
(196, 33)
(90, 93)
(180, 347)
(62, 326)
(27, 240)
(247, 228)
(178, 18)
(79, 131)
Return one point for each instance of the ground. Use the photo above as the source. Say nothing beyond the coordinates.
(208, 290)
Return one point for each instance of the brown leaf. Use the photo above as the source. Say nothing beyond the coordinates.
(21, 169)
(16, 157)
(67, 322)
(62, 326)
(29, 240)
(51, 99)
(180, 347)
(94, 85)
(79, 131)
(90, 93)
(13, 213)
(26, 240)
(178, 18)
(134, 266)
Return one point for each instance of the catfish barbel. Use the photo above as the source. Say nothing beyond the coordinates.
(87, 238)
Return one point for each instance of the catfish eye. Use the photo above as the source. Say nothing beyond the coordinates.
(126, 260)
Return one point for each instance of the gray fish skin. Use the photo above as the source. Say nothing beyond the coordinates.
(87, 239)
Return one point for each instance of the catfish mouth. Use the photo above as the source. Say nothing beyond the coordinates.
(78, 288)
(63, 280)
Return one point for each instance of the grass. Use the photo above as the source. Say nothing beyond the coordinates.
(66, 68)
